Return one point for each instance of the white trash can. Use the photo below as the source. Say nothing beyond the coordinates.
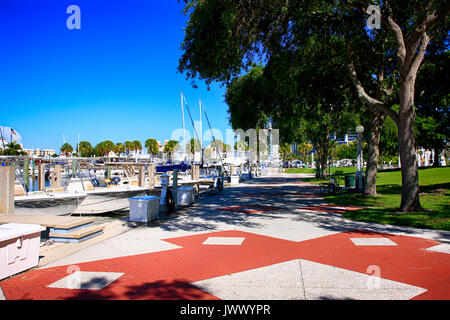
(144, 209)
(234, 180)
(185, 196)
(19, 247)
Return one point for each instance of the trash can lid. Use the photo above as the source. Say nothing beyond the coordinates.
(15, 230)
(144, 198)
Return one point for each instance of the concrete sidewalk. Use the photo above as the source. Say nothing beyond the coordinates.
(272, 238)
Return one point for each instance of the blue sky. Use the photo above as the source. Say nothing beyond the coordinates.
(115, 78)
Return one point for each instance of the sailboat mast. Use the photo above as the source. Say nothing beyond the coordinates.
(184, 129)
(201, 128)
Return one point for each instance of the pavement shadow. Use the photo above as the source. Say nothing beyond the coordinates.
(269, 202)
(177, 289)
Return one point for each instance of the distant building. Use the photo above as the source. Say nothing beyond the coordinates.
(294, 148)
(45, 153)
(29, 152)
(346, 139)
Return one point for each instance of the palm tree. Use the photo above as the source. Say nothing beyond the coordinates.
(284, 149)
(105, 147)
(152, 146)
(119, 148)
(13, 149)
(85, 149)
(66, 149)
(128, 147)
(304, 149)
(192, 146)
(170, 147)
(137, 146)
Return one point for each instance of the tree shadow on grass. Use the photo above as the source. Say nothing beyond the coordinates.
(426, 220)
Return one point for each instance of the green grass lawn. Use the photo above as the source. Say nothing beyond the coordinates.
(435, 199)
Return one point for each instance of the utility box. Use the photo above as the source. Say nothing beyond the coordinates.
(185, 196)
(19, 247)
(144, 209)
(349, 181)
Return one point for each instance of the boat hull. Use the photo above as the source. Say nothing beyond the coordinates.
(56, 205)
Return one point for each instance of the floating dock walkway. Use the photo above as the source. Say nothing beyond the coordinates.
(61, 228)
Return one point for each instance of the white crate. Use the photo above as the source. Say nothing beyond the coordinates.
(144, 209)
(19, 247)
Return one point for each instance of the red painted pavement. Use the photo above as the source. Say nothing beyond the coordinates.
(277, 194)
(169, 274)
(250, 208)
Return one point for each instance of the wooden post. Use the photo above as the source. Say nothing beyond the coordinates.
(56, 177)
(7, 178)
(151, 176)
(141, 176)
(74, 168)
(197, 172)
(26, 173)
(41, 177)
(32, 174)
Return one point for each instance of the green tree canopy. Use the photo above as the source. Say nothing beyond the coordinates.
(128, 146)
(193, 145)
(85, 149)
(119, 148)
(13, 149)
(170, 147)
(433, 119)
(104, 148)
(137, 145)
(152, 146)
(382, 64)
(66, 148)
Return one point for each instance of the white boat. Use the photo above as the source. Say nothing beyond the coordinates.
(104, 199)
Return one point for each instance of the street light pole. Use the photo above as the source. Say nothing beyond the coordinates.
(359, 157)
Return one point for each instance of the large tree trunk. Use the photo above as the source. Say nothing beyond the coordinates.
(323, 168)
(377, 120)
(407, 149)
(323, 154)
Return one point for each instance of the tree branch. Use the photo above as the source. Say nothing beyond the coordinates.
(362, 94)
(398, 35)
(418, 57)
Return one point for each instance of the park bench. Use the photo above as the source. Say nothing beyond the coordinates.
(330, 186)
